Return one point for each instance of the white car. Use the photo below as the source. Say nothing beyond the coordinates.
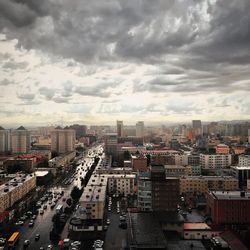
(108, 221)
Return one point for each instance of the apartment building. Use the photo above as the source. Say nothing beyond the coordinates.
(242, 171)
(215, 161)
(121, 183)
(5, 141)
(20, 141)
(201, 184)
(93, 198)
(15, 189)
(174, 170)
(63, 140)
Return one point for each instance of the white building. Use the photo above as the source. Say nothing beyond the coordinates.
(16, 189)
(121, 183)
(244, 161)
(213, 161)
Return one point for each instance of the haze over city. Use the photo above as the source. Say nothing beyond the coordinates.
(96, 62)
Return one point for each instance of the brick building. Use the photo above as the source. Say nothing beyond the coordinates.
(231, 207)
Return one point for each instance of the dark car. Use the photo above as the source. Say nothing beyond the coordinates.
(37, 237)
(123, 225)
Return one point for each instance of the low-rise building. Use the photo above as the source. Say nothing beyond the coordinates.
(201, 184)
(62, 160)
(232, 207)
(121, 183)
(198, 231)
(222, 149)
(174, 170)
(139, 162)
(215, 161)
(15, 189)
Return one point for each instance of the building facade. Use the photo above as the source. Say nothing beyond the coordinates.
(201, 184)
(123, 184)
(16, 189)
(5, 141)
(215, 161)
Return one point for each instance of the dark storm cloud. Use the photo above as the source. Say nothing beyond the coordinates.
(198, 41)
(15, 14)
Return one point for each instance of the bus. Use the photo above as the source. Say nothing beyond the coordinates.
(13, 239)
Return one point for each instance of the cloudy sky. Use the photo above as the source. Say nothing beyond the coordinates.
(98, 61)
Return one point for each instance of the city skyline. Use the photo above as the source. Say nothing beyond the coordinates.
(95, 63)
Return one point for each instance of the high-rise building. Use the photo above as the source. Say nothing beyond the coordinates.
(156, 192)
(20, 141)
(197, 127)
(81, 130)
(140, 129)
(63, 140)
(111, 144)
(120, 129)
(5, 142)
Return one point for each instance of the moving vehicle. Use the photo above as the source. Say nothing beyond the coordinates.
(26, 243)
(37, 237)
(59, 209)
(13, 239)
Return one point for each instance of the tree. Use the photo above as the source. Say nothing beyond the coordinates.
(127, 155)
(54, 154)
(76, 193)
(148, 159)
(69, 202)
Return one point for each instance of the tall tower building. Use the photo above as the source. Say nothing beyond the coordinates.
(120, 129)
(197, 127)
(20, 141)
(5, 142)
(111, 144)
(140, 129)
(63, 140)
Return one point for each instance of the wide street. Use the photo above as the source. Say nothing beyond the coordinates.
(43, 222)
